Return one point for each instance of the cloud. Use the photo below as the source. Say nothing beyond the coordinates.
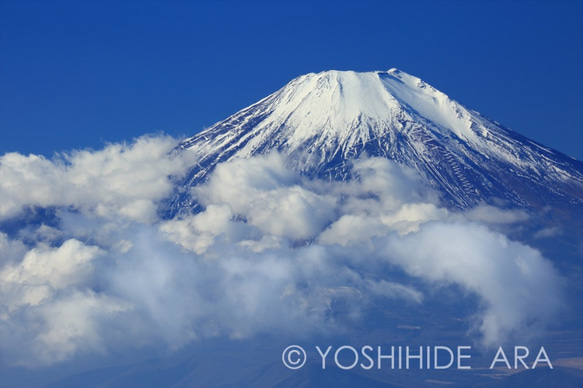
(75, 323)
(121, 180)
(266, 192)
(548, 232)
(492, 215)
(44, 271)
(270, 252)
(518, 286)
(48, 307)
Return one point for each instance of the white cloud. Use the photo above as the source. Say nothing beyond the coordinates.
(12, 250)
(121, 179)
(267, 193)
(74, 323)
(47, 305)
(271, 251)
(45, 270)
(518, 286)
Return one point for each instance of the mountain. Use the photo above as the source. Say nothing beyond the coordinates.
(256, 289)
(323, 121)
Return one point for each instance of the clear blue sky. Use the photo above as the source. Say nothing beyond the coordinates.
(77, 74)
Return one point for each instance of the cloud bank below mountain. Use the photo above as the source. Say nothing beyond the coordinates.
(100, 270)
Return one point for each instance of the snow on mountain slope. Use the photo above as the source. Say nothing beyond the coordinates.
(323, 121)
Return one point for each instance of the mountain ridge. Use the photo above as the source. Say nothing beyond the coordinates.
(321, 121)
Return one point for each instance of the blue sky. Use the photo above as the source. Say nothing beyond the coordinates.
(81, 74)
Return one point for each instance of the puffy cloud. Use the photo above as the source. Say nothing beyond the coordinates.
(271, 251)
(121, 179)
(45, 270)
(519, 287)
(198, 233)
(12, 250)
(266, 192)
(47, 305)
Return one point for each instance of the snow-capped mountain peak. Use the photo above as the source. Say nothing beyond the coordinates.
(413, 93)
(322, 121)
